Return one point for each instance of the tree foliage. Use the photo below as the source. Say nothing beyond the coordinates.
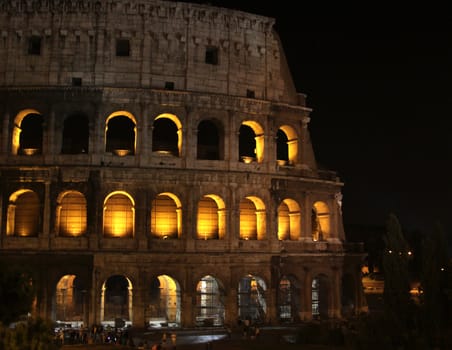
(395, 265)
(396, 273)
(434, 280)
(16, 293)
(33, 334)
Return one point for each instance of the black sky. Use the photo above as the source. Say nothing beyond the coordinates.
(379, 83)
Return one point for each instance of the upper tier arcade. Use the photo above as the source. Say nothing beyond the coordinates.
(143, 44)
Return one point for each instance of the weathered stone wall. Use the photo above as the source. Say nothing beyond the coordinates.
(168, 43)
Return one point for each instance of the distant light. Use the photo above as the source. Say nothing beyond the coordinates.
(390, 251)
(410, 253)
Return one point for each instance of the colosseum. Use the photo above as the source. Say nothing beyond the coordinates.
(157, 170)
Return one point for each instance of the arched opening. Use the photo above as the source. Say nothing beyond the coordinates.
(251, 142)
(247, 144)
(167, 135)
(71, 214)
(209, 144)
(286, 145)
(116, 301)
(252, 219)
(288, 299)
(165, 302)
(289, 220)
(75, 134)
(319, 297)
(166, 216)
(23, 214)
(119, 215)
(320, 221)
(251, 299)
(211, 218)
(120, 134)
(282, 149)
(348, 302)
(31, 134)
(70, 301)
(209, 302)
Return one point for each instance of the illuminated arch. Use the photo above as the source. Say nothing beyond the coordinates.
(321, 222)
(209, 302)
(289, 226)
(288, 300)
(320, 297)
(252, 302)
(211, 221)
(165, 302)
(23, 214)
(286, 144)
(71, 214)
(251, 144)
(120, 133)
(167, 135)
(70, 300)
(18, 144)
(166, 216)
(116, 300)
(119, 215)
(252, 218)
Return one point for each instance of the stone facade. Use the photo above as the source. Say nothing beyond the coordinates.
(156, 166)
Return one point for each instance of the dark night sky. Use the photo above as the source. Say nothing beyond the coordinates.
(379, 83)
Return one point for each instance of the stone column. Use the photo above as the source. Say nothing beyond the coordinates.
(335, 308)
(48, 139)
(231, 307)
(304, 141)
(139, 305)
(272, 307)
(46, 216)
(306, 305)
(5, 134)
(306, 227)
(143, 146)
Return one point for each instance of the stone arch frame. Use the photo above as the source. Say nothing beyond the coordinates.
(82, 224)
(157, 213)
(174, 148)
(214, 318)
(76, 127)
(321, 221)
(13, 212)
(289, 226)
(258, 142)
(103, 296)
(289, 305)
(325, 297)
(209, 149)
(128, 229)
(126, 145)
(251, 228)
(17, 146)
(78, 296)
(154, 313)
(220, 212)
(291, 145)
(246, 299)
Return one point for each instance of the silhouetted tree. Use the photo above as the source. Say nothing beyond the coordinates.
(396, 277)
(16, 294)
(434, 282)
